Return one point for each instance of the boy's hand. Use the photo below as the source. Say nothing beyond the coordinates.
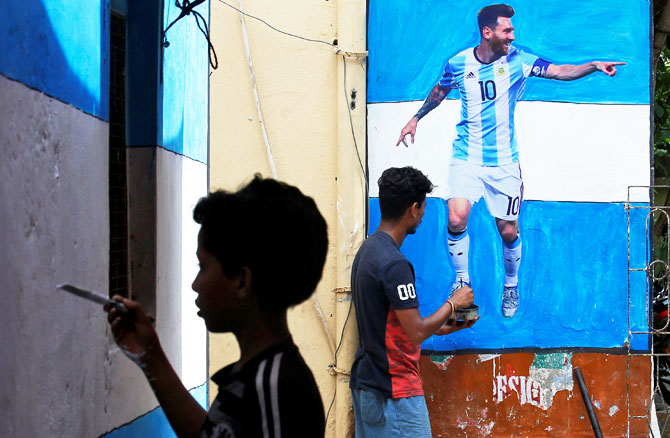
(133, 333)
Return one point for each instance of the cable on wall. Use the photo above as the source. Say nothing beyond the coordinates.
(257, 99)
(334, 370)
(274, 28)
(186, 8)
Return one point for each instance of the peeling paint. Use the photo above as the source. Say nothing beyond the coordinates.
(548, 374)
(484, 429)
(461, 424)
(486, 357)
(441, 360)
(554, 373)
(613, 410)
(596, 403)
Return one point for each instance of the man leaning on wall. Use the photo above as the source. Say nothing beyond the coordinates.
(385, 383)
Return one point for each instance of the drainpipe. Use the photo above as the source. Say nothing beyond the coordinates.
(351, 192)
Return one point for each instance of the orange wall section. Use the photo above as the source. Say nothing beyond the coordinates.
(535, 395)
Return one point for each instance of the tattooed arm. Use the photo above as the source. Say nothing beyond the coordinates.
(436, 96)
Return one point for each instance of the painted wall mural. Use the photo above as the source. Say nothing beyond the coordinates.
(42, 49)
(581, 145)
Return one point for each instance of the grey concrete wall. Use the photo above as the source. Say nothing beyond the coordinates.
(60, 373)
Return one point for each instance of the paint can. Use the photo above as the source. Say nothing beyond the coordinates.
(467, 313)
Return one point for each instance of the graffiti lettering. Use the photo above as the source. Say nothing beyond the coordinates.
(527, 389)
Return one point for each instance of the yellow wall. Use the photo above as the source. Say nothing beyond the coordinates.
(302, 96)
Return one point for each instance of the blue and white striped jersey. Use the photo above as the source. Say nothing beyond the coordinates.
(489, 92)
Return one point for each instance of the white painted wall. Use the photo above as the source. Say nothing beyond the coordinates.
(568, 152)
(181, 183)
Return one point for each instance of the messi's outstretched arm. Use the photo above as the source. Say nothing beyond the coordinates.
(568, 72)
(436, 96)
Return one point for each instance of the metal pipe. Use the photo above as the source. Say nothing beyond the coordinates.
(587, 402)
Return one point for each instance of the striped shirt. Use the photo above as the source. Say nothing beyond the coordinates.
(489, 93)
(273, 395)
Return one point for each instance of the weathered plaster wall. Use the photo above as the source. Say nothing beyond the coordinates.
(526, 394)
(58, 362)
(301, 90)
(180, 183)
(61, 374)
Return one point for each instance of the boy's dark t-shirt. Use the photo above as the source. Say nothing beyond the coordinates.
(382, 281)
(273, 395)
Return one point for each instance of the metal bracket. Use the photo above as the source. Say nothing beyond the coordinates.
(351, 53)
(334, 371)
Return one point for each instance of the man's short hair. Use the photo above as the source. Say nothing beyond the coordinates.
(274, 230)
(488, 16)
(399, 188)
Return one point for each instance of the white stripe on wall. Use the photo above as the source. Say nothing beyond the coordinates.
(568, 152)
(193, 331)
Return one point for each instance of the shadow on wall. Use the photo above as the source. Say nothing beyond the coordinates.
(59, 48)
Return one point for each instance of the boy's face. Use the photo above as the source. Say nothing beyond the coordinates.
(219, 300)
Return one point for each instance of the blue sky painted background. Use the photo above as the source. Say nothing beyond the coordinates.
(410, 42)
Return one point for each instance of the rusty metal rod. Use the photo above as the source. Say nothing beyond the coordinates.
(587, 402)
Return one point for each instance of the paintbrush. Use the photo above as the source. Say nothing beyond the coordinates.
(94, 297)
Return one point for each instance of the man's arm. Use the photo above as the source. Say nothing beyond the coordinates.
(419, 329)
(436, 96)
(451, 326)
(137, 338)
(568, 72)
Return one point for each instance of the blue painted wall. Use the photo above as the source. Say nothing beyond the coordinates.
(59, 47)
(185, 85)
(573, 282)
(154, 423)
(410, 42)
(144, 24)
(168, 86)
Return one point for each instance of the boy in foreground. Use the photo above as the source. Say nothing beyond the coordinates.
(261, 250)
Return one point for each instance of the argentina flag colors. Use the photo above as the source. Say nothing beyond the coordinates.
(582, 145)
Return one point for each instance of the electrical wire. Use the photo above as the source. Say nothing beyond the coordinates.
(186, 8)
(358, 156)
(365, 179)
(274, 28)
(351, 122)
(337, 350)
(257, 97)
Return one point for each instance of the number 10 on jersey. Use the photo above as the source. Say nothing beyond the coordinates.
(488, 89)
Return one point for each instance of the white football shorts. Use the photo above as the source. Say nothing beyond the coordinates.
(501, 186)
